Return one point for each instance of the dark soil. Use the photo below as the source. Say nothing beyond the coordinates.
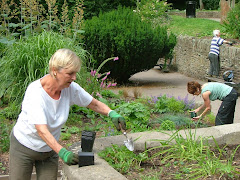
(174, 169)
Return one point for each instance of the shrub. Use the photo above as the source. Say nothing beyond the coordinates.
(122, 33)
(152, 9)
(94, 7)
(232, 22)
(211, 4)
(27, 60)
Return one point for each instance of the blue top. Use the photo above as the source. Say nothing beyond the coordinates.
(215, 43)
(218, 90)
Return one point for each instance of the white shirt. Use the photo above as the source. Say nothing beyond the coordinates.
(39, 108)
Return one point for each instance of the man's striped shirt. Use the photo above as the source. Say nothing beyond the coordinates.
(215, 43)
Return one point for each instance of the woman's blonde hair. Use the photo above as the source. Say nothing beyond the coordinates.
(64, 59)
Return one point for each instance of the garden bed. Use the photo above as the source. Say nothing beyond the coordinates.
(156, 168)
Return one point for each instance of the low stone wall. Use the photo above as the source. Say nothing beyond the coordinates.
(191, 57)
(199, 14)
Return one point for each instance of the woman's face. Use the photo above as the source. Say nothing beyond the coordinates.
(65, 77)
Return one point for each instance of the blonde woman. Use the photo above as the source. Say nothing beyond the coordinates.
(45, 109)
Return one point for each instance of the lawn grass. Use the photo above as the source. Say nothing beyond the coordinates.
(196, 27)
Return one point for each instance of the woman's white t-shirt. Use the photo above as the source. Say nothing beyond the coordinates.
(39, 108)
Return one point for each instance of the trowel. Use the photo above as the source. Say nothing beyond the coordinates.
(128, 142)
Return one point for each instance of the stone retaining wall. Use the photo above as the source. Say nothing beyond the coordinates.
(200, 14)
(191, 57)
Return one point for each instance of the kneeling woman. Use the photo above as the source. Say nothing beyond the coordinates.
(212, 91)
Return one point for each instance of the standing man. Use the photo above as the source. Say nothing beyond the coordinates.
(214, 53)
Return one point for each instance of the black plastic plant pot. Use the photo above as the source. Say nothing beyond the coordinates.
(193, 114)
(87, 140)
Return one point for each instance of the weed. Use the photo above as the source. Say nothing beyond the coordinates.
(167, 125)
(65, 136)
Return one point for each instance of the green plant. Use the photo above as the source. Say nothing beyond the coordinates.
(232, 21)
(94, 7)
(96, 82)
(209, 118)
(211, 4)
(27, 60)
(152, 9)
(180, 120)
(122, 159)
(165, 104)
(168, 125)
(137, 113)
(2, 167)
(123, 33)
(108, 94)
(193, 154)
(73, 130)
(5, 129)
(29, 17)
(74, 119)
(11, 111)
(65, 136)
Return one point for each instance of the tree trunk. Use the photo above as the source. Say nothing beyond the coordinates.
(201, 5)
(233, 4)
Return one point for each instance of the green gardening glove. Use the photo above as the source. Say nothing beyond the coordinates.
(117, 119)
(68, 157)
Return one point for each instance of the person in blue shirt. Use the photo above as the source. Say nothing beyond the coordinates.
(210, 92)
(213, 55)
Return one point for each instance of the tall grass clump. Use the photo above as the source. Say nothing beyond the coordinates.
(199, 158)
(27, 60)
(191, 156)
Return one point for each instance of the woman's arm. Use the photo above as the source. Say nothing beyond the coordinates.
(99, 107)
(44, 133)
(199, 108)
(207, 104)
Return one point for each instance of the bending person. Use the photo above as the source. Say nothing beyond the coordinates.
(212, 91)
(45, 109)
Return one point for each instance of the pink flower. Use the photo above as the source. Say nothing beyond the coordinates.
(109, 85)
(115, 59)
(104, 78)
(108, 73)
(93, 72)
(101, 84)
(99, 95)
(114, 84)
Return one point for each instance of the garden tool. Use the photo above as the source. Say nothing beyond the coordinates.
(128, 142)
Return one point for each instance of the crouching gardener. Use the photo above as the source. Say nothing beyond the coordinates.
(212, 91)
(45, 109)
